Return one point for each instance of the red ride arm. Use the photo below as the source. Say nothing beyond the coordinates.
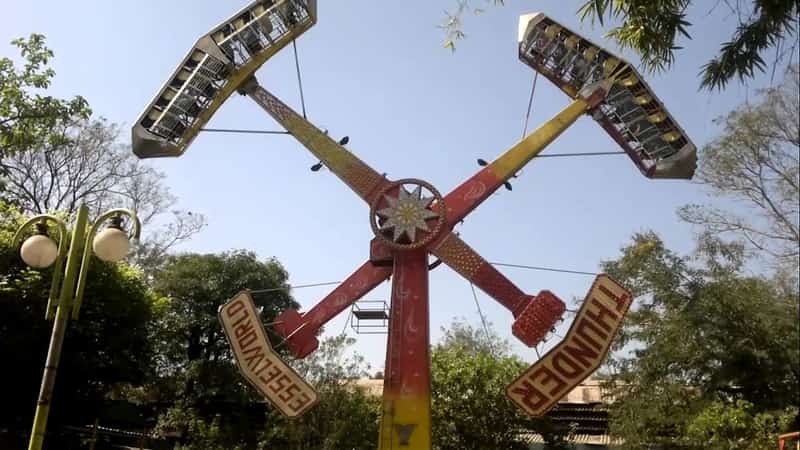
(534, 316)
(469, 264)
(300, 330)
(357, 285)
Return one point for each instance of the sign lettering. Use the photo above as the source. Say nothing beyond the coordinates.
(258, 363)
(579, 354)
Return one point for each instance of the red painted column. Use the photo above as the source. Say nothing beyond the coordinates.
(406, 418)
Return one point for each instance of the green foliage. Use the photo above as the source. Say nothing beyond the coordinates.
(452, 24)
(649, 27)
(27, 116)
(346, 416)
(194, 286)
(755, 162)
(700, 334)
(463, 337)
(331, 363)
(194, 364)
(470, 410)
(103, 350)
(652, 27)
(200, 432)
(771, 24)
(212, 407)
(734, 426)
(54, 157)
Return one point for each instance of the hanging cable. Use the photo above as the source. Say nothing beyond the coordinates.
(299, 79)
(347, 321)
(483, 318)
(546, 269)
(530, 105)
(517, 266)
(564, 155)
(229, 130)
(551, 155)
(290, 287)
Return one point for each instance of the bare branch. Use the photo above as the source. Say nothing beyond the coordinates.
(83, 163)
(755, 163)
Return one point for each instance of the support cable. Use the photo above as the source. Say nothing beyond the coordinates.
(229, 130)
(564, 155)
(546, 269)
(551, 155)
(480, 313)
(299, 79)
(347, 321)
(500, 264)
(530, 104)
(290, 287)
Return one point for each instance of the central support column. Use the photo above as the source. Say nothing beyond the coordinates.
(406, 418)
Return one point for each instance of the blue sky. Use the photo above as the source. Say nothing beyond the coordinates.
(412, 109)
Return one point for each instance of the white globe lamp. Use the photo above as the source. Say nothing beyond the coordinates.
(39, 251)
(111, 244)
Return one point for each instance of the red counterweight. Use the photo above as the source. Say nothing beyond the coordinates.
(537, 317)
(299, 335)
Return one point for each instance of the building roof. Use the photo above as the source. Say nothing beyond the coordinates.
(588, 392)
(584, 410)
(370, 386)
(587, 439)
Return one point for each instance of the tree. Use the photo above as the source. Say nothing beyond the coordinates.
(330, 363)
(453, 26)
(463, 337)
(755, 162)
(69, 159)
(703, 345)
(83, 163)
(105, 349)
(346, 416)
(194, 366)
(653, 29)
(26, 116)
(470, 370)
(726, 426)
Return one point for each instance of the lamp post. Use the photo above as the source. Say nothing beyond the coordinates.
(66, 291)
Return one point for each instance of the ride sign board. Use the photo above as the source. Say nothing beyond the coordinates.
(259, 363)
(579, 354)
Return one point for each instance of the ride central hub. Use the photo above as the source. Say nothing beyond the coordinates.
(406, 214)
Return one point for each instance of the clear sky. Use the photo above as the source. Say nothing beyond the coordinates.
(377, 71)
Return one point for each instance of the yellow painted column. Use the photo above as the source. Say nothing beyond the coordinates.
(519, 155)
(39, 428)
(466, 197)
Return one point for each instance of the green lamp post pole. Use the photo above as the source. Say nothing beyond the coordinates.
(66, 290)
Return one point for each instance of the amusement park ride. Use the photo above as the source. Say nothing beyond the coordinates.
(411, 219)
